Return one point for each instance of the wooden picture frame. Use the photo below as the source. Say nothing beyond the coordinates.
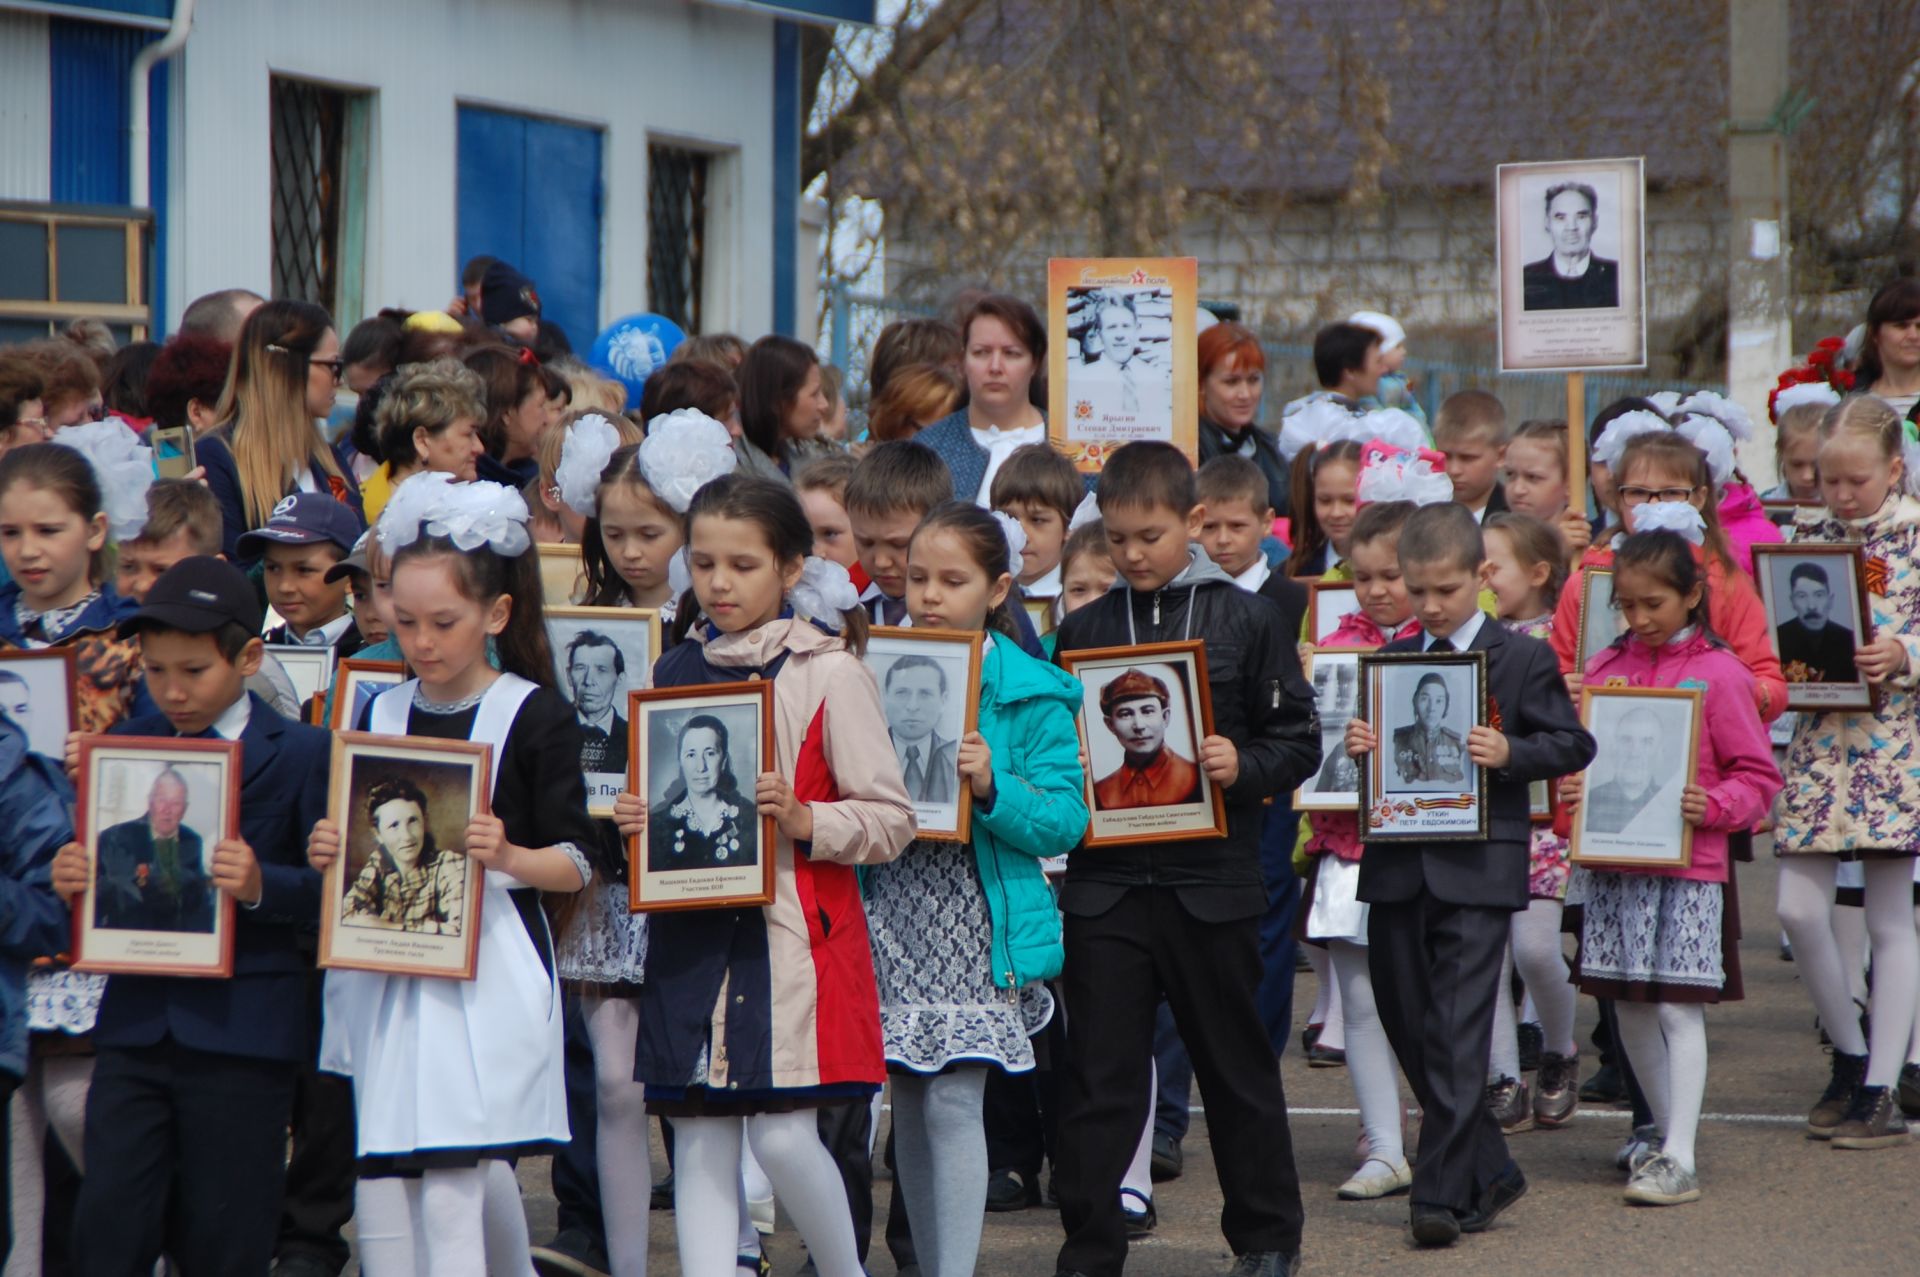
(1175, 675)
(1327, 602)
(414, 795)
(39, 694)
(1418, 785)
(356, 677)
(141, 915)
(1101, 395)
(676, 864)
(563, 573)
(1334, 673)
(1808, 656)
(1784, 512)
(309, 669)
(1597, 625)
(943, 697)
(1613, 827)
(1593, 319)
(1041, 613)
(621, 644)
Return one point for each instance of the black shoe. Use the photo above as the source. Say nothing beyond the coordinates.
(1606, 1086)
(1326, 1057)
(1265, 1263)
(1309, 1036)
(1533, 1040)
(1508, 1187)
(1910, 1090)
(1168, 1160)
(572, 1253)
(1435, 1226)
(306, 1264)
(1142, 1221)
(1009, 1190)
(662, 1198)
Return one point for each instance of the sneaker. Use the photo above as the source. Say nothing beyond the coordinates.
(754, 1265)
(1642, 1146)
(1849, 1071)
(1555, 1093)
(1325, 1057)
(1874, 1121)
(1508, 1187)
(573, 1253)
(1661, 1181)
(763, 1212)
(1168, 1161)
(1910, 1090)
(1142, 1219)
(1606, 1086)
(1009, 1190)
(1434, 1225)
(1510, 1104)
(1533, 1041)
(1265, 1263)
(1376, 1177)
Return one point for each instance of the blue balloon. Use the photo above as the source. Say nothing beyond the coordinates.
(630, 348)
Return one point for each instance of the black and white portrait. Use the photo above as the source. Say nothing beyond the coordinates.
(1428, 713)
(1580, 229)
(1812, 596)
(599, 655)
(1571, 264)
(1329, 602)
(1419, 783)
(36, 695)
(1336, 697)
(701, 754)
(1630, 808)
(927, 688)
(1120, 367)
(309, 669)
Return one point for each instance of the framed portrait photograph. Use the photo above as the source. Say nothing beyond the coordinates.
(1570, 255)
(1540, 802)
(1784, 512)
(309, 669)
(358, 683)
(1419, 785)
(599, 655)
(151, 811)
(1600, 622)
(38, 694)
(1144, 712)
(404, 897)
(1122, 367)
(1815, 597)
(563, 574)
(696, 754)
(1647, 754)
(1041, 613)
(1335, 675)
(1327, 602)
(929, 684)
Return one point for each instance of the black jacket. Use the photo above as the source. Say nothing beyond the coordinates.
(1535, 713)
(1216, 442)
(1261, 702)
(1289, 594)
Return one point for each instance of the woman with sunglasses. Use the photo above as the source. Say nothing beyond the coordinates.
(266, 443)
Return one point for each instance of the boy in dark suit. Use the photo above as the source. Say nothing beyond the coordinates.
(187, 1118)
(151, 870)
(1441, 912)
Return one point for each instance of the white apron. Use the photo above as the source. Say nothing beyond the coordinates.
(447, 1064)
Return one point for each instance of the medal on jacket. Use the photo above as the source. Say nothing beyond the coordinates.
(1875, 570)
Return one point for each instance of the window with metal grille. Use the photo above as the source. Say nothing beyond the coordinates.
(676, 233)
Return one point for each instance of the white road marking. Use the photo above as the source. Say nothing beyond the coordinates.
(1766, 1119)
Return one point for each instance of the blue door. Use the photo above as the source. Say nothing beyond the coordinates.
(530, 195)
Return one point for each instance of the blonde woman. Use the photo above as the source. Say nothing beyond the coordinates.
(429, 418)
(286, 368)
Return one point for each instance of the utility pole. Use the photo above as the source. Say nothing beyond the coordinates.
(1760, 272)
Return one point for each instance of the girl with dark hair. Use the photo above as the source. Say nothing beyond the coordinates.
(454, 1079)
(753, 1064)
(964, 933)
(1004, 360)
(1889, 366)
(1324, 500)
(518, 413)
(782, 408)
(1663, 942)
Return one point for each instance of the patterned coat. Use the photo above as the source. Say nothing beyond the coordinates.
(1853, 777)
(108, 684)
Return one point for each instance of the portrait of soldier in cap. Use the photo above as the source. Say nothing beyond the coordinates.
(1135, 708)
(1424, 751)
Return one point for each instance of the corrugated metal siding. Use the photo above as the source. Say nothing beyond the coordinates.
(25, 137)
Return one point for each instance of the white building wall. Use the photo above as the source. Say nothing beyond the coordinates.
(634, 68)
(26, 108)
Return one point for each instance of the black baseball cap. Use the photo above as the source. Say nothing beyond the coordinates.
(197, 596)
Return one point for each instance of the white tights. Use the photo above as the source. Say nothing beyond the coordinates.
(1913, 1049)
(620, 1139)
(54, 1093)
(1667, 1042)
(1327, 1012)
(1535, 948)
(1376, 1087)
(707, 1196)
(1139, 1174)
(1806, 911)
(446, 1223)
(940, 1151)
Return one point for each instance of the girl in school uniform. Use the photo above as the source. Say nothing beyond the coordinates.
(453, 1079)
(750, 1019)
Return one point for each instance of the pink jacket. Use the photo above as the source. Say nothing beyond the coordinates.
(1736, 757)
(1746, 524)
(1339, 831)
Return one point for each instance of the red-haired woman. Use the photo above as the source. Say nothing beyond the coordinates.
(1232, 377)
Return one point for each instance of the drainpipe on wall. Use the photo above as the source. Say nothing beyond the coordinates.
(138, 127)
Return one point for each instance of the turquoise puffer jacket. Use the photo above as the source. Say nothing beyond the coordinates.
(1039, 809)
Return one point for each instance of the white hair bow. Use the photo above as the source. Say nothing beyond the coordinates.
(1613, 440)
(468, 514)
(1814, 392)
(1088, 511)
(1707, 403)
(123, 467)
(823, 592)
(1016, 539)
(682, 453)
(1671, 516)
(1714, 442)
(583, 457)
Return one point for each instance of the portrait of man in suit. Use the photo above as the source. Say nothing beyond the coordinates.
(1572, 276)
(16, 701)
(1135, 707)
(1814, 648)
(915, 694)
(1426, 751)
(1118, 379)
(152, 873)
(596, 673)
(1638, 755)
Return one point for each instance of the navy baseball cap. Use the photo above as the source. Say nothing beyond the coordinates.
(305, 518)
(355, 562)
(197, 596)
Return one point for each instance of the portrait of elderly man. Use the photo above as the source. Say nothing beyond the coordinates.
(1135, 708)
(152, 871)
(596, 674)
(1639, 756)
(1813, 647)
(409, 882)
(915, 699)
(1572, 276)
(1424, 751)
